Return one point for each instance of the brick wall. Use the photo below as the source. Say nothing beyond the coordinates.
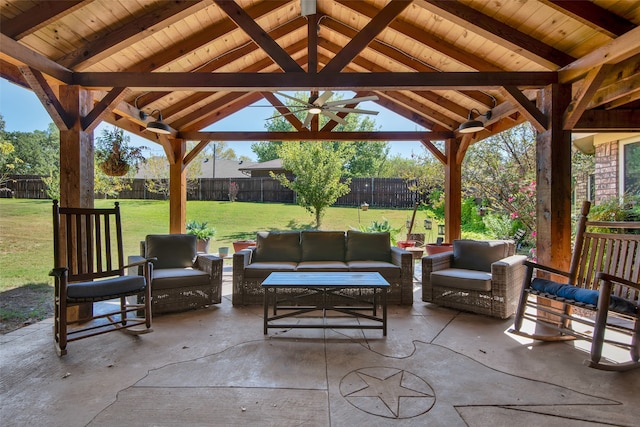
(606, 160)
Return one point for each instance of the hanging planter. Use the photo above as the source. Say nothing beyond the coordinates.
(114, 156)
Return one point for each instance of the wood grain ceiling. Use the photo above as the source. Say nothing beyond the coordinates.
(430, 61)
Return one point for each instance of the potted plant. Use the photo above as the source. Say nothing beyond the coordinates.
(114, 154)
(203, 233)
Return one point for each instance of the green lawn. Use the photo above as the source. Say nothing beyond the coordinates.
(26, 231)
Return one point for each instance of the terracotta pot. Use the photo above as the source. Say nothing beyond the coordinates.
(433, 249)
(239, 245)
(406, 244)
(203, 245)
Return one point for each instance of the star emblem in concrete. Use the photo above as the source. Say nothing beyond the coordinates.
(403, 394)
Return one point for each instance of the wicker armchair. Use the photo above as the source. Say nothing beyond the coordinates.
(483, 277)
(181, 278)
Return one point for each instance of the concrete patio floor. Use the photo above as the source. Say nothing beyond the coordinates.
(214, 367)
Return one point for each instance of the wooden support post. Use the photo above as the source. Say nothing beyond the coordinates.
(553, 183)
(178, 188)
(453, 191)
(76, 168)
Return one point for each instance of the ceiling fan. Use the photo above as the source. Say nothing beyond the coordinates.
(319, 104)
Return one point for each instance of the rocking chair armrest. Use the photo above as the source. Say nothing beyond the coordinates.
(532, 265)
(137, 260)
(611, 278)
(58, 272)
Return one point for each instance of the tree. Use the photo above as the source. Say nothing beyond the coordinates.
(368, 157)
(38, 151)
(156, 171)
(317, 169)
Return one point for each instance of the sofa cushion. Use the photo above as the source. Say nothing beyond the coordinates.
(462, 279)
(478, 254)
(386, 269)
(171, 250)
(171, 278)
(282, 246)
(322, 245)
(322, 266)
(368, 246)
(263, 269)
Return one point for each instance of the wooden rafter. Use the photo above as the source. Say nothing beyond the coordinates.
(38, 17)
(594, 16)
(500, 33)
(581, 99)
(259, 36)
(365, 36)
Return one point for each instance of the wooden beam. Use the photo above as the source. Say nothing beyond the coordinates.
(38, 17)
(210, 34)
(499, 32)
(259, 36)
(620, 49)
(135, 29)
(284, 110)
(315, 136)
(594, 16)
(49, 100)
(365, 36)
(528, 108)
(303, 81)
(610, 94)
(108, 102)
(194, 152)
(611, 120)
(17, 54)
(583, 96)
(312, 43)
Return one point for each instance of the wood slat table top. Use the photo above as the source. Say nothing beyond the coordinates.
(326, 279)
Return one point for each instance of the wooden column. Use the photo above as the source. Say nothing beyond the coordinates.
(553, 181)
(453, 191)
(178, 188)
(76, 150)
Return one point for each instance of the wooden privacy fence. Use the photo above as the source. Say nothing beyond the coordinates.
(380, 192)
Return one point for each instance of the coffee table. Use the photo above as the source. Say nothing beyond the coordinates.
(327, 286)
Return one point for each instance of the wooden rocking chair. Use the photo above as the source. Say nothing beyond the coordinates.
(602, 281)
(89, 268)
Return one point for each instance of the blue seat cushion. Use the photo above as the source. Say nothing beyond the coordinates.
(586, 296)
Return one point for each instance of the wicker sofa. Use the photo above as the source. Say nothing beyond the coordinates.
(321, 251)
(181, 278)
(479, 276)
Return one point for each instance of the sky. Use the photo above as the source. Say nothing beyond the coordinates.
(23, 112)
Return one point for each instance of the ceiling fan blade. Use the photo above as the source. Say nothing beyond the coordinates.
(320, 101)
(334, 117)
(307, 120)
(292, 98)
(286, 114)
(352, 101)
(352, 110)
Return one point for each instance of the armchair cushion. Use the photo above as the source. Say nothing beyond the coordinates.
(171, 278)
(322, 245)
(478, 255)
(171, 250)
(284, 246)
(368, 246)
(462, 279)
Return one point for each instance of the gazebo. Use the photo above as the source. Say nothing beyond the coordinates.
(167, 70)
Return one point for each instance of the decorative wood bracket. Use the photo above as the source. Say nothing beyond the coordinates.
(528, 109)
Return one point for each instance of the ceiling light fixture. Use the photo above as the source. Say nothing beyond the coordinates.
(471, 125)
(157, 126)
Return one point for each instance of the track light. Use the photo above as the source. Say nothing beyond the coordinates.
(157, 126)
(471, 125)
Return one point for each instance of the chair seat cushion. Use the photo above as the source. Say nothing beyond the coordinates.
(386, 269)
(462, 279)
(586, 296)
(263, 269)
(171, 278)
(322, 266)
(104, 288)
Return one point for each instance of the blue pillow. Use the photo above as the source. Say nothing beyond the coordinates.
(587, 296)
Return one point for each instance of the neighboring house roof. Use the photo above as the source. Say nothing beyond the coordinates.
(223, 169)
(269, 165)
